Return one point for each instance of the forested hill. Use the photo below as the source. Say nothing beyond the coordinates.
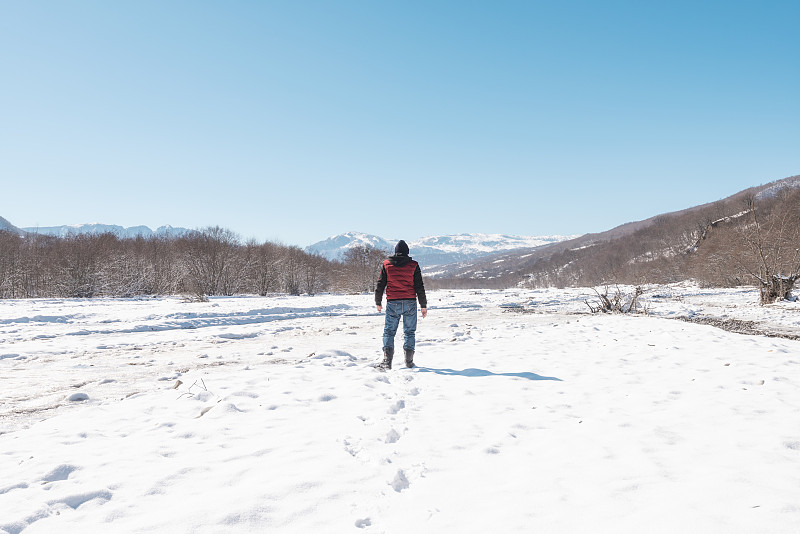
(709, 243)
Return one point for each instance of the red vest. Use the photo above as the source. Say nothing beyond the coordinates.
(400, 280)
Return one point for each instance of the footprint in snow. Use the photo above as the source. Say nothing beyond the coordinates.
(77, 500)
(397, 406)
(392, 436)
(350, 448)
(248, 394)
(400, 482)
(20, 485)
(62, 472)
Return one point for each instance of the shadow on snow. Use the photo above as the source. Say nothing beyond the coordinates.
(482, 372)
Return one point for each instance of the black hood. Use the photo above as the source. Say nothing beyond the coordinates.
(398, 260)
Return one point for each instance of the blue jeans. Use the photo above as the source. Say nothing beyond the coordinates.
(407, 309)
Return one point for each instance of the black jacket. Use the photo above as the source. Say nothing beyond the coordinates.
(401, 278)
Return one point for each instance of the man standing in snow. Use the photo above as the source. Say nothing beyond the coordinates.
(402, 279)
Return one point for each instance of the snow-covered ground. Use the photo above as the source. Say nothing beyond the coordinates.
(264, 415)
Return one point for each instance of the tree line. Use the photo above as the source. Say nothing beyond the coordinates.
(744, 239)
(208, 262)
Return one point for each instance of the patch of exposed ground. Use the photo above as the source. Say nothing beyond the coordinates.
(751, 328)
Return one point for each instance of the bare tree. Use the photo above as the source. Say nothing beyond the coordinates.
(770, 246)
(265, 267)
(362, 268)
(208, 256)
(619, 302)
(314, 273)
(38, 270)
(164, 265)
(81, 261)
(292, 269)
(10, 260)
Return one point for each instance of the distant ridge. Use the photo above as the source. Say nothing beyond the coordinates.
(8, 227)
(335, 247)
(435, 250)
(98, 228)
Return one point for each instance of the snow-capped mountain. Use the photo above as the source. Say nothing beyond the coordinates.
(435, 250)
(97, 228)
(334, 247)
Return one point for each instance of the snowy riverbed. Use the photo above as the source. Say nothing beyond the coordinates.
(258, 414)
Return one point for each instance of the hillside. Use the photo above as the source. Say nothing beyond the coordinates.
(8, 227)
(664, 248)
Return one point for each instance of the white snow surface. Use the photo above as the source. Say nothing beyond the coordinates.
(550, 421)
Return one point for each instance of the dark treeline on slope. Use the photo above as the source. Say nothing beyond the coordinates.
(208, 262)
(738, 241)
(746, 239)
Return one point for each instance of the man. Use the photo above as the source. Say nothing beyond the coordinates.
(402, 279)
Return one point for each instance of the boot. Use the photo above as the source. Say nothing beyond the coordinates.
(409, 358)
(388, 354)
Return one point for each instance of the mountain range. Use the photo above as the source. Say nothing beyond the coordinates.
(430, 251)
(435, 250)
(122, 232)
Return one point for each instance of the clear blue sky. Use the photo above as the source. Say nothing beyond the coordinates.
(296, 120)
